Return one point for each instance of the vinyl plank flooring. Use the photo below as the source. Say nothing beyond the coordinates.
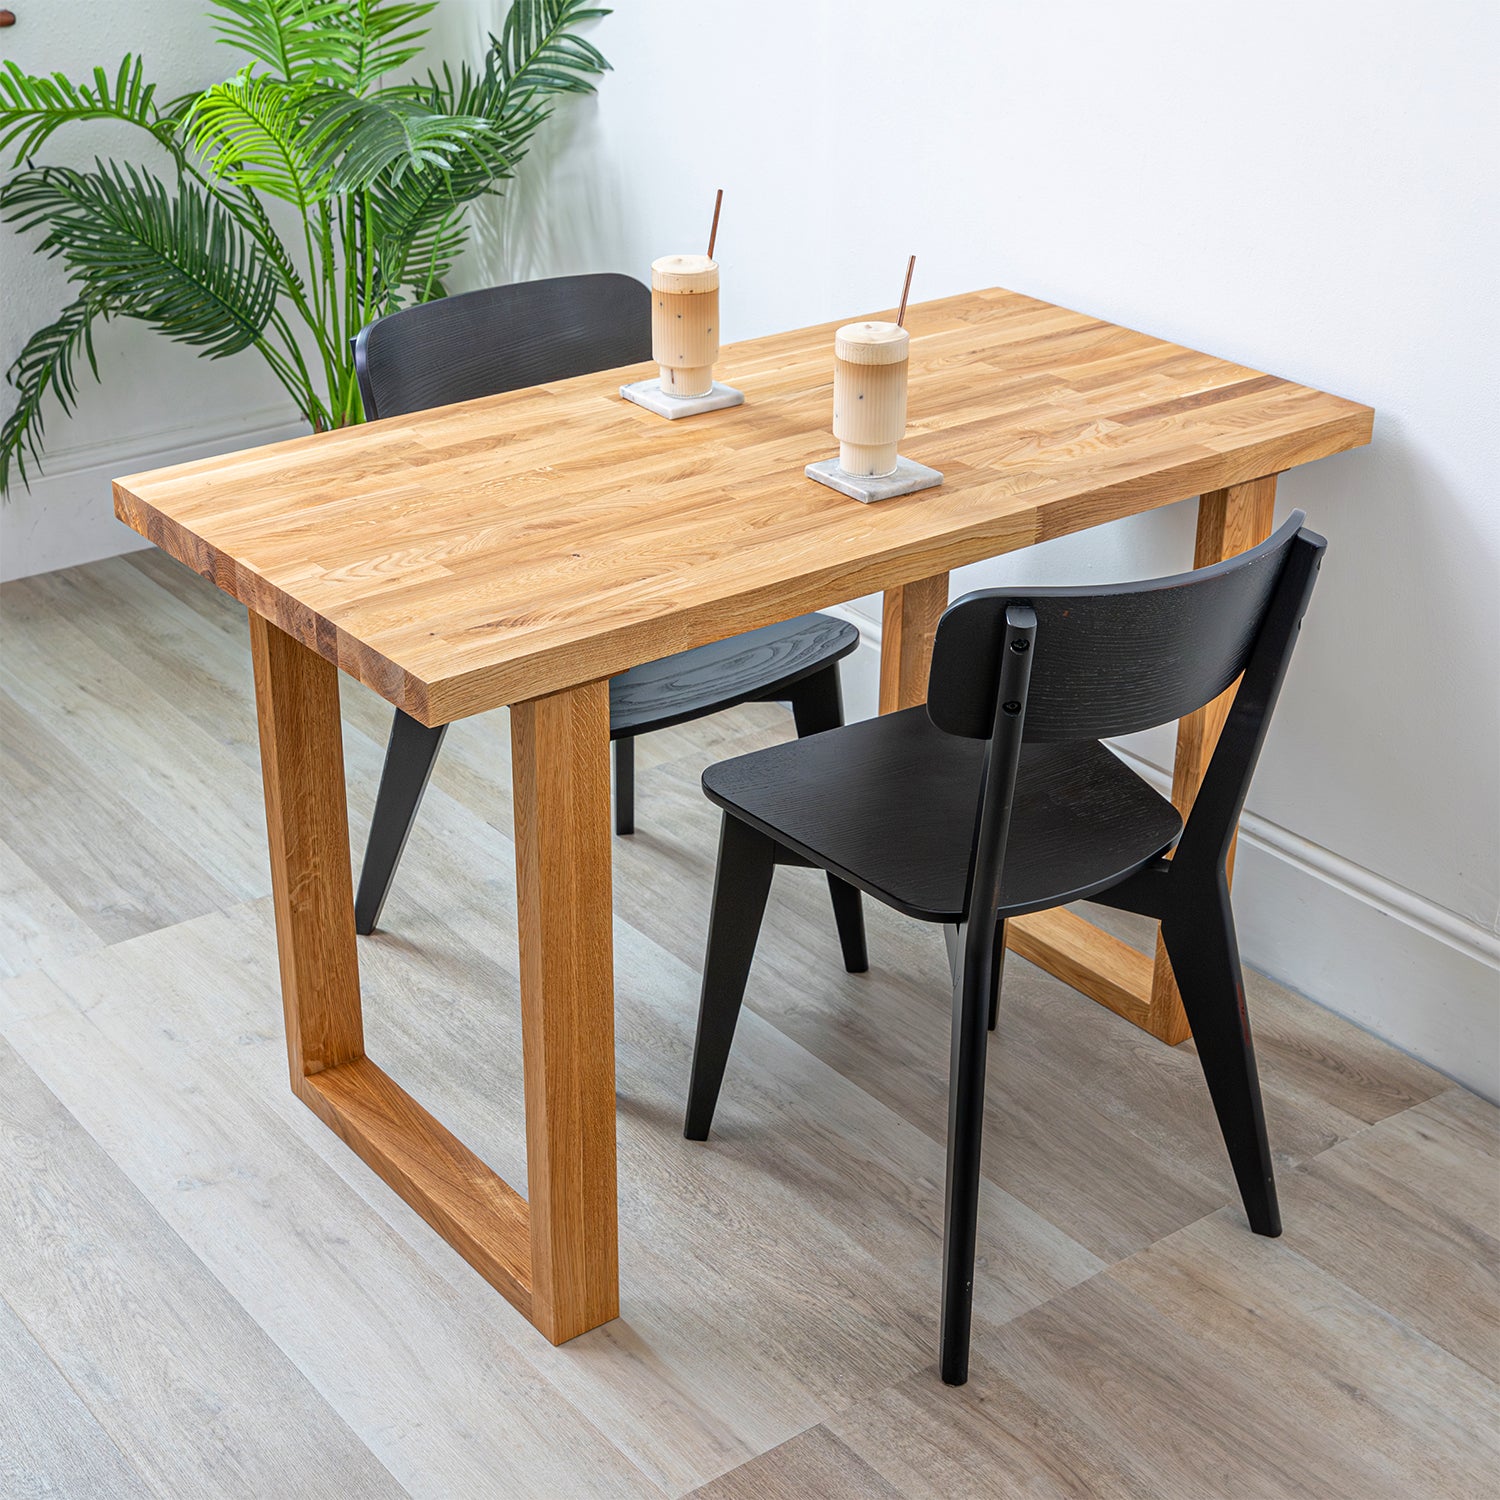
(187, 1387)
(987, 1440)
(113, 870)
(224, 1160)
(147, 756)
(806, 1274)
(812, 1463)
(36, 924)
(1408, 1214)
(51, 1448)
(1178, 1419)
(1345, 1364)
(779, 1282)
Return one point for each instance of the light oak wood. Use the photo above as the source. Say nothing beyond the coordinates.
(511, 549)
(566, 992)
(483, 1218)
(501, 549)
(909, 623)
(559, 751)
(302, 761)
(869, 395)
(685, 322)
(1093, 961)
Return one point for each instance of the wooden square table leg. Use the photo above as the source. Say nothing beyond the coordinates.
(554, 1259)
(909, 624)
(560, 761)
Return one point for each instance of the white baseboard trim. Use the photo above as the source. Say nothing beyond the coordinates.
(67, 516)
(1391, 960)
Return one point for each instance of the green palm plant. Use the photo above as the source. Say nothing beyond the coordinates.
(376, 179)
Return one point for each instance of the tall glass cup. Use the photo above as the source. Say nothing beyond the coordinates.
(685, 322)
(869, 396)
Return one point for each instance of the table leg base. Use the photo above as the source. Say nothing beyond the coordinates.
(1099, 965)
(485, 1219)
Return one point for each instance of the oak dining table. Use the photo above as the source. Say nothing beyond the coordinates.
(521, 549)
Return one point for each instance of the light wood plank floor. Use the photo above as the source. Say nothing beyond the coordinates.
(203, 1293)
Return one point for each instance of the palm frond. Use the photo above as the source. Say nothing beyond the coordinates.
(44, 364)
(252, 130)
(301, 41)
(174, 258)
(386, 36)
(537, 51)
(370, 136)
(32, 106)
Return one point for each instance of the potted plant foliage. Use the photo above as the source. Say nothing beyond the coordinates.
(295, 201)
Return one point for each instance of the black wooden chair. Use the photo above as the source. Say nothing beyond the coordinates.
(998, 799)
(506, 337)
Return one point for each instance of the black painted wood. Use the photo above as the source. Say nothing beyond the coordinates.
(747, 861)
(625, 784)
(500, 338)
(760, 664)
(506, 337)
(889, 804)
(409, 756)
(818, 706)
(998, 800)
(1114, 659)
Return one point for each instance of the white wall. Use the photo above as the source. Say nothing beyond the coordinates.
(1305, 187)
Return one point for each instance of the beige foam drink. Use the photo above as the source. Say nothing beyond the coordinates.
(869, 396)
(685, 322)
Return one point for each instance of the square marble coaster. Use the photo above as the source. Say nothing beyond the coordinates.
(648, 393)
(909, 477)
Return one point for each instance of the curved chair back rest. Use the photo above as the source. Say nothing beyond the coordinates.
(1072, 664)
(1108, 660)
(500, 339)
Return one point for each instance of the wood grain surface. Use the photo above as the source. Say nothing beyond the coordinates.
(493, 551)
(230, 1298)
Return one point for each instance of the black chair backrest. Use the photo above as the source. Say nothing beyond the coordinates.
(1113, 659)
(1011, 666)
(500, 339)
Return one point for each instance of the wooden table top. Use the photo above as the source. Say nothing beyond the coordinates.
(500, 549)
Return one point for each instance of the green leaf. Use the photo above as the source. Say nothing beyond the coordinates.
(368, 137)
(174, 258)
(415, 237)
(534, 50)
(301, 41)
(386, 37)
(44, 364)
(32, 106)
(253, 132)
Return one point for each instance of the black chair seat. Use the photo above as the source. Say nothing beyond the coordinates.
(889, 805)
(743, 669)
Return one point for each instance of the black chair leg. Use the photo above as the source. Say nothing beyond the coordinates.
(998, 976)
(953, 936)
(1205, 957)
(747, 860)
(625, 785)
(818, 704)
(973, 1001)
(409, 756)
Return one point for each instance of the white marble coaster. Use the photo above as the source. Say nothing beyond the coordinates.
(648, 393)
(908, 478)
